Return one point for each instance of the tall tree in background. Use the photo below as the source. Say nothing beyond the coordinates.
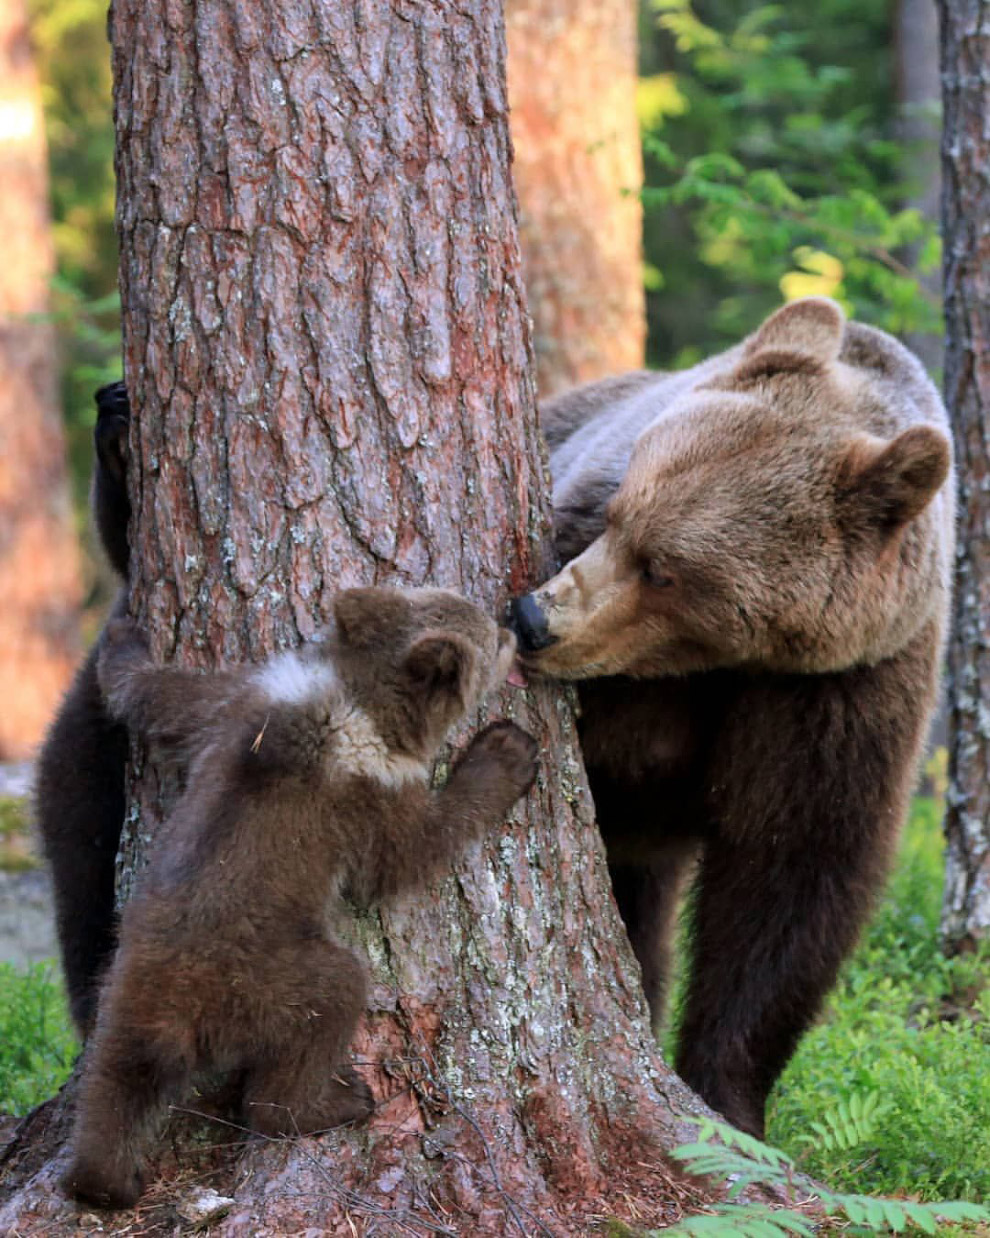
(39, 582)
(578, 170)
(916, 56)
(965, 58)
(327, 347)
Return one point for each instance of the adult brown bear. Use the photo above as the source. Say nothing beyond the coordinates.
(756, 604)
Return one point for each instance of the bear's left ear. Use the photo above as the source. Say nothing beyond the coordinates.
(887, 484)
(805, 334)
(443, 670)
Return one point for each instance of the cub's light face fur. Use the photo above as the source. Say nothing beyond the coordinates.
(395, 671)
(779, 514)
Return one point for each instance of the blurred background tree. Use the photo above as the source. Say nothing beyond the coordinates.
(73, 56)
(776, 163)
(578, 172)
(39, 568)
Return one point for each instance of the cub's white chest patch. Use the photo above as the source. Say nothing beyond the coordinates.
(355, 745)
(287, 680)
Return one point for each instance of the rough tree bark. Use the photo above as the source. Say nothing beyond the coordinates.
(327, 347)
(578, 169)
(965, 58)
(39, 555)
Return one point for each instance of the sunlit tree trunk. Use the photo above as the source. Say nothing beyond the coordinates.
(916, 56)
(327, 347)
(578, 171)
(39, 581)
(965, 39)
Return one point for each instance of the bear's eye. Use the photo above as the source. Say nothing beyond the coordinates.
(655, 576)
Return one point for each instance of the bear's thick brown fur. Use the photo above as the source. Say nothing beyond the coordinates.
(756, 603)
(308, 779)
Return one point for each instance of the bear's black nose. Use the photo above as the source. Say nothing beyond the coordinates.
(529, 624)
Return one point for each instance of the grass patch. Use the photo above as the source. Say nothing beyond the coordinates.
(15, 835)
(13, 816)
(890, 1093)
(37, 1044)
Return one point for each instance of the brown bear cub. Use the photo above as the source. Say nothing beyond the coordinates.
(308, 780)
(761, 553)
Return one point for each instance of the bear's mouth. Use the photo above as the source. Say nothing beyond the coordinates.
(517, 675)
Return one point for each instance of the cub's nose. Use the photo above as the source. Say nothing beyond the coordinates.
(529, 624)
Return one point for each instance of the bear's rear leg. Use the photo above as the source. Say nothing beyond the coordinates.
(647, 896)
(300, 1081)
(79, 804)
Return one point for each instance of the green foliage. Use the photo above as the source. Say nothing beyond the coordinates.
(742, 1161)
(37, 1046)
(13, 815)
(849, 1125)
(15, 840)
(891, 1091)
(770, 169)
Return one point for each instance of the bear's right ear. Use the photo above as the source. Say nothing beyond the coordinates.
(886, 484)
(804, 335)
(369, 616)
(443, 670)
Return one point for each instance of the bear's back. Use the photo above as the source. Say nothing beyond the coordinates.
(592, 429)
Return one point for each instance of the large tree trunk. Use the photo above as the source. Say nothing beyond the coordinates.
(327, 348)
(578, 170)
(965, 31)
(39, 566)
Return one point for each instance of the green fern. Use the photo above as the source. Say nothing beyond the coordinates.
(850, 1124)
(743, 1161)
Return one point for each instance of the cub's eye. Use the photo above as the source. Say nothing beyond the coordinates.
(654, 576)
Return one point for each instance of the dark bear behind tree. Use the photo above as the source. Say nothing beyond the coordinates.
(308, 779)
(79, 796)
(757, 612)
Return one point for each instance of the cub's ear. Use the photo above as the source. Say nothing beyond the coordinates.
(443, 669)
(888, 484)
(366, 617)
(804, 335)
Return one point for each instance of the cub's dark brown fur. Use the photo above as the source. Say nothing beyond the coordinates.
(761, 549)
(309, 779)
(79, 791)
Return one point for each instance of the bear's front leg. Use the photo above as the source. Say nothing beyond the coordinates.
(497, 769)
(167, 705)
(809, 790)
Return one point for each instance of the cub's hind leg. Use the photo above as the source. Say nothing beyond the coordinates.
(299, 1080)
(127, 1083)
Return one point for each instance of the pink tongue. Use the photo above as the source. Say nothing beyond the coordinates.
(517, 676)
